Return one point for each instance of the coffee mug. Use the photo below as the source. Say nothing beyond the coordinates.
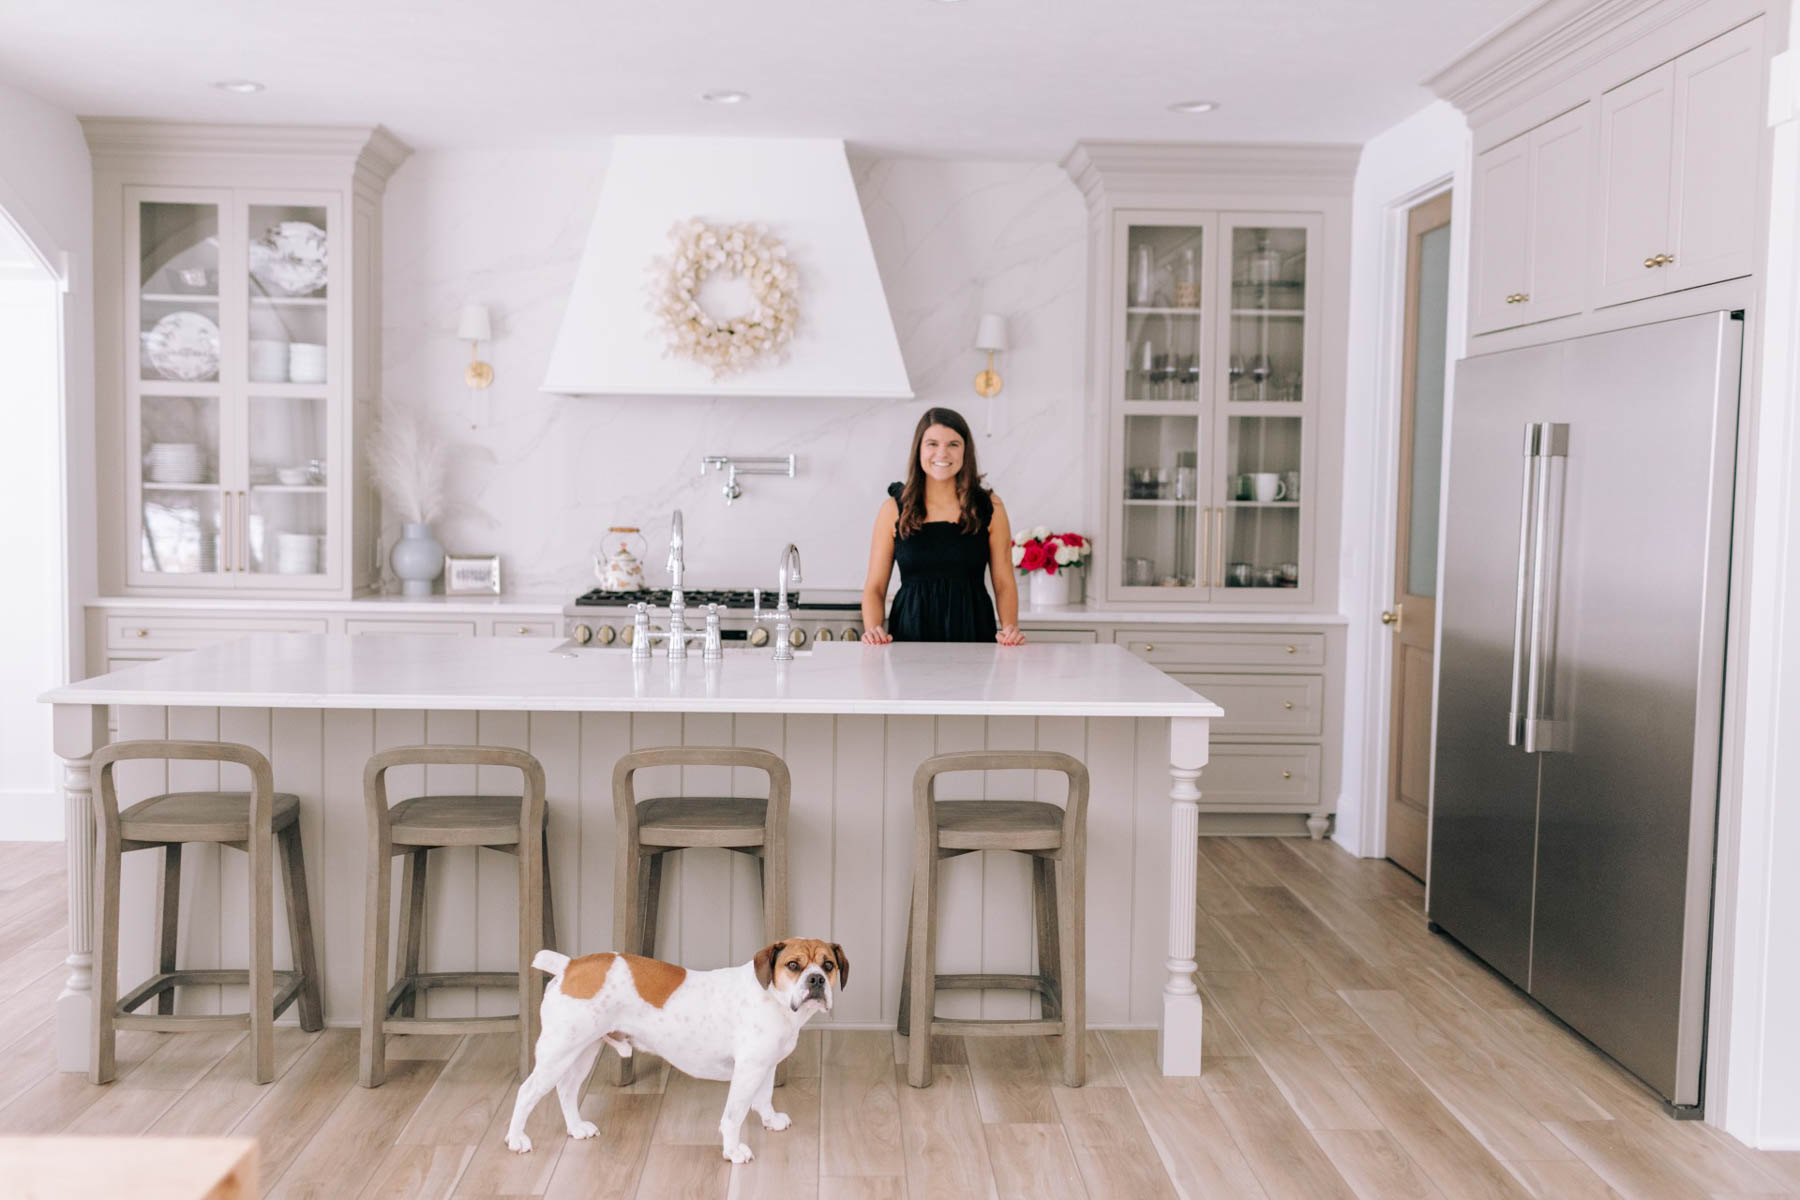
(1267, 577)
(1290, 480)
(1266, 486)
(1238, 574)
(1289, 572)
(1241, 488)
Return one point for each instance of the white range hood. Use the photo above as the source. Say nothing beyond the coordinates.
(801, 190)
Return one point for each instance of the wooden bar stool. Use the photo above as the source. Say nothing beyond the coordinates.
(258, 822)
(1056, 840)
(649, 829)
(513, 824)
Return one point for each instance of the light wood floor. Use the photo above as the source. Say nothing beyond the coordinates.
(1349, 1053)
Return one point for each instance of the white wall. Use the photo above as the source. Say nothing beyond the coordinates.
(543, 476)
(1400, 166)
(1759, 892)
(46, 189)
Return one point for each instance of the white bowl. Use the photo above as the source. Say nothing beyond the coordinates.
(293, 476)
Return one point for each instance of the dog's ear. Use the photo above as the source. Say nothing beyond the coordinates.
(843, 966)
(765, 962)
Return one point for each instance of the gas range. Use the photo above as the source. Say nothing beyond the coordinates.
(601, 618)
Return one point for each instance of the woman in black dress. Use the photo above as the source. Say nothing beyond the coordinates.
(944, 529)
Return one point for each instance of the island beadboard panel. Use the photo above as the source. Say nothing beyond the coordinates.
(850, 851)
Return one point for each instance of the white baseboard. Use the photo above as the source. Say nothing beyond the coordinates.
(30, 816)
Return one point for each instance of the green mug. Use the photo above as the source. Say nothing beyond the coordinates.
(1242, 488)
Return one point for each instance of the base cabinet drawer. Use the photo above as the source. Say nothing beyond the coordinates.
(400, 625)
(527, 628)
(1203, 651)
(1085, 636)
(1241, 778)
(1262, 705)
(167, 634)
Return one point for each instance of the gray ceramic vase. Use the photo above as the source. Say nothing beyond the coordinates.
(417, 559)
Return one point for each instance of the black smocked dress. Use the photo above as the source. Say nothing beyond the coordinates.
(942, 596)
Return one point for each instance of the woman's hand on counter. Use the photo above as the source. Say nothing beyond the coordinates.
(875, 635)
(1009, 635)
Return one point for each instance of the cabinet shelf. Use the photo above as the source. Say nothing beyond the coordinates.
(180, 487)
(1294, 314)
(1161, 503)
(292, 488)
(179, 297)
(290, 301)
(1144, 310)
(1293, 505)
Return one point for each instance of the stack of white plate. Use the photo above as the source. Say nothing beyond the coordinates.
(306, 362)
(175, 462)
(297, 553)
(268, 360)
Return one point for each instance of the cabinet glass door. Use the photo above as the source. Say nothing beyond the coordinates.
(1263, 432)
(285, 531)
(1160, 390)
(175, 399)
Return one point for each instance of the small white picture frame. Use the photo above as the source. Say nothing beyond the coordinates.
(471, 574)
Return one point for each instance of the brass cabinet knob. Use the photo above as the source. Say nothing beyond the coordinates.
(140, 633)
(1667, 259)
(1149, 646)
(524, 629)
(1524, 296)
(1287, 774)
(1291, 650)
(1655, 260)
(1288, 704)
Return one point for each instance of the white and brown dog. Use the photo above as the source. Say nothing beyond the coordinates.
(736, 1023)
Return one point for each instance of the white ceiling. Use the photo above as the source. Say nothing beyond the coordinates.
(1009, 78)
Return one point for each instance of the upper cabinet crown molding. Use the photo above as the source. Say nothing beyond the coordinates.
(369, 152)
(1152, 172)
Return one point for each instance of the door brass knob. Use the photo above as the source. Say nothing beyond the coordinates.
(1390, 618)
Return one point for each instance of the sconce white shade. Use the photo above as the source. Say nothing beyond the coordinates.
(992, 335)
(474, 326)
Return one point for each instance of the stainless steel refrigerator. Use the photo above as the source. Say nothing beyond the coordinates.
(1581, 679)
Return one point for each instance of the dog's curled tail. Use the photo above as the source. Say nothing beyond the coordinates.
(551, 963)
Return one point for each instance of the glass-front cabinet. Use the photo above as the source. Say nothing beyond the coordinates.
(1212, 424)
(233, 310)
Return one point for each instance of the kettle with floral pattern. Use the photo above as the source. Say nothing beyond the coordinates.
(618, 569)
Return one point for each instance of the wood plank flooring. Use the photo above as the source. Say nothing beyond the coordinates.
(1350, 1053)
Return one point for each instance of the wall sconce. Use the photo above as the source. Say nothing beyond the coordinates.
(475, 328)
(992, 338)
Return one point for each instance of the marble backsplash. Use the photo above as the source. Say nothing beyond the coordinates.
(540, 477)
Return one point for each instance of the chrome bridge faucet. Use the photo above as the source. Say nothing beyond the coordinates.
(678, 636)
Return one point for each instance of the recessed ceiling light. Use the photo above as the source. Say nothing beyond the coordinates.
(1194, 106)
(242, 87)
(725, 96)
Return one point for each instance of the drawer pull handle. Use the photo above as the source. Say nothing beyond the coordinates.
(1290, 650)
(523, 630)
(1287, 704)
(1287, 774)
(1149, 646)
(140, 633)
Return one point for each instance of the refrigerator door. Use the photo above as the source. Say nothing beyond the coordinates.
(1629, 786)
(1484, 793)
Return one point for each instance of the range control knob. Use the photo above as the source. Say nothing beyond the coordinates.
(852, 634)
(582, 634)
(797, 638)
(759, 637)
(824, 635)
(606, 635)
(627, 634)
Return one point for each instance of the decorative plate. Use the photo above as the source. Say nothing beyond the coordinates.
(289, 258)
(184, 346)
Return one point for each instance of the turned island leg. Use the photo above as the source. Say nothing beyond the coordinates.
(1178, 1043)
(77, 731)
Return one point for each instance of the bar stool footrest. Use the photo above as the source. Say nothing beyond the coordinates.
(1029, 983)
(425, 981)
(996, 1028)
(453, 1025)
(287, 989)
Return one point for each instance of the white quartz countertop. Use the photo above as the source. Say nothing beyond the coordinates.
(295, 670)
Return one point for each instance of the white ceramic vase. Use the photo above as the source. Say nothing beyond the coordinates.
(1048, 591)
(417, 559)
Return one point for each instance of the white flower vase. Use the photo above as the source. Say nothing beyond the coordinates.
(1049, 591)
(417, 560)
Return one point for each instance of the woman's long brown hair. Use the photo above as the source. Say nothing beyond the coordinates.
(977, 506)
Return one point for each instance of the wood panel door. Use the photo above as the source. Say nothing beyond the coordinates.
(1414, 615)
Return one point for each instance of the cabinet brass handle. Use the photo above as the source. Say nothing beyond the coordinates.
(1149, 646)
(1667, 259)
(1524, 296)
(140, 633)
(1287, 704)
(1291, 650)
(243, 506)
(1287, 774)
(523, 630)
(1655, 260)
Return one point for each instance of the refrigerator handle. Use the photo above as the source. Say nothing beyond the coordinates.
(1553, 461)
(1515, 716)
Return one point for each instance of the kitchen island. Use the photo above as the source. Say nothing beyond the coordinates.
(853, 722)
